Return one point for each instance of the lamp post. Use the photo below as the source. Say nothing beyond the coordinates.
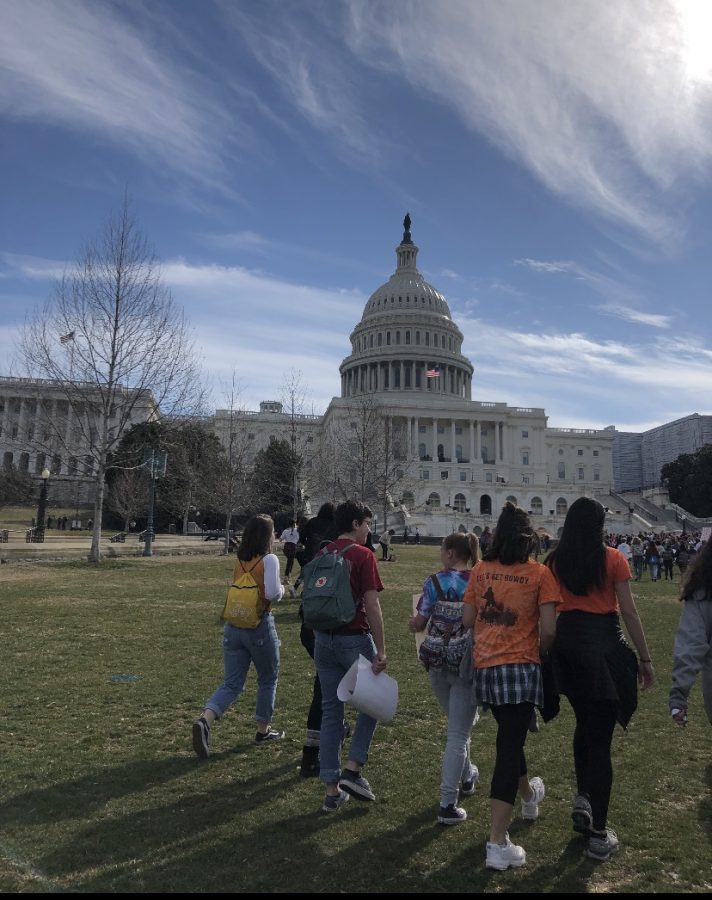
(155, 464)
(42, 508)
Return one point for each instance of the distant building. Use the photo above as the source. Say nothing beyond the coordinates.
(639, 457)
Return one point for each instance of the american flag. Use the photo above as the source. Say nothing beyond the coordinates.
(433, 373)
(66, 338)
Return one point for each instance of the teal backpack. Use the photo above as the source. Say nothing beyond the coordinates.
(327, 600)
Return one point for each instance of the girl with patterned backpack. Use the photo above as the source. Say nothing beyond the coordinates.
(446, 653)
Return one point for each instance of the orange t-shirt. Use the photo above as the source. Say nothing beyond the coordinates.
(507, 600)
(603, 599)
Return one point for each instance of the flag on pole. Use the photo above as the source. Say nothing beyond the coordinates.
(66, 338)
(433, 373)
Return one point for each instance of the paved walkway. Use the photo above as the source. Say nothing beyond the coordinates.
(68, 545)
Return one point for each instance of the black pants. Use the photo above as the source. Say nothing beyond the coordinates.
(512, 724)
(667, 566)
(384, 550)
(306, 636)
(595, 722)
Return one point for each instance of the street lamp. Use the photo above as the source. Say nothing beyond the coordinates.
(154, 462)
(42, 508)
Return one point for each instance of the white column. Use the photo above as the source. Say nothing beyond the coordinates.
(434, 454)
(21, 436)
(402, 376)
(496, 442)
(453, 438)
(410, 437)
(479, 441)
(472, 441)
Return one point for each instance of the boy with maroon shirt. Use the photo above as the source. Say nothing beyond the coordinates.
(336, 651)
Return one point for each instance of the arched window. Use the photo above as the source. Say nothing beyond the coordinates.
(39, 463)
(24, 462)
(537, 506)
(7, 460)
(562, 470)
(408, 500)
(561, 507)
(512, 499)
(434, 500)
(459, 503)
(380, 339)
(441, 453)
(56, 465)
(435, 340)
(485, 505)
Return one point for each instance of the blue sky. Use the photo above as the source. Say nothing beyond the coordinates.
(555, 159)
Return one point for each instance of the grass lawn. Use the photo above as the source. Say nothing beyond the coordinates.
(102, 792)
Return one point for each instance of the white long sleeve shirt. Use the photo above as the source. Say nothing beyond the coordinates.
(273, 587)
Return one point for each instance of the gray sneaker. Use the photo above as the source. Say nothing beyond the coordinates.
(331, 804)
(582, 815)
(603, 846)
(356, 785)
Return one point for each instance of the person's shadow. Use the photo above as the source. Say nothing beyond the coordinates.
(704, 807)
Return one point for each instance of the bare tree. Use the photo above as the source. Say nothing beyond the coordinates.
(127, 494)
(363, 456)
(300, 435)
(230, 487)
(116, 346)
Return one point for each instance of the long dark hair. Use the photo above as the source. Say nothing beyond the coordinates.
(465, 546)
(579, 559)
(256, 537)
(513, 539)
(699, 575)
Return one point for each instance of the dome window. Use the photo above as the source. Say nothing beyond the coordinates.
(388, 338)
(435, 340)
(407, 337)
(397, 337)
(427, 338)
(417, 337)
(380, 339)
(370, 341)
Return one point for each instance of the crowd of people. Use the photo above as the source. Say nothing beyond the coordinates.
(498, 631)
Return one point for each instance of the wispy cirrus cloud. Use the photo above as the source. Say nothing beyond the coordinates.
(553, 87)
(654, 320)
(85, 66)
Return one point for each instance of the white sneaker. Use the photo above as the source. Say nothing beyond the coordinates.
(530, 808)
(506, 855)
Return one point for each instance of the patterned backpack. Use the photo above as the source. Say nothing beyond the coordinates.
(446, 640)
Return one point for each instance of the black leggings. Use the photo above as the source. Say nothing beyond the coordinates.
(306, 636)
(512, 724)
(595, 722)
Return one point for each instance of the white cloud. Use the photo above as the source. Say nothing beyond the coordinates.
(35, 268)
(655, 320)
(606, 104)
(82, 65)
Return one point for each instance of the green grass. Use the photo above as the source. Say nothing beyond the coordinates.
(102, 792)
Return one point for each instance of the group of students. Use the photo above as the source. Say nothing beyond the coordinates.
(504, 633)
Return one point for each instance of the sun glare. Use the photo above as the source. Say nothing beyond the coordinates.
(696, 23)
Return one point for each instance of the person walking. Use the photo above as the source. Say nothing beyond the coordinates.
(290, 542)
(692, 652)
(667, 557)
(243, 646)
(442, 652)
(511, 601)
(593, 665)
(652, 558)
(318, 532)
(638, 556)
(385, 541)
(336, 651)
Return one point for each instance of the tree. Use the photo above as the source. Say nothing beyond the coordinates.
(127, 494)
(124, 354)
(272, 481)
(689, 481)
(363, 455)
(16, 488)
(230, 484)
(293, 398)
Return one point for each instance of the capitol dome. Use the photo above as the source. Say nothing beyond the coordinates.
(406, 339)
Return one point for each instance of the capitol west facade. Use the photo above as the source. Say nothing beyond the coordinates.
(461, 458)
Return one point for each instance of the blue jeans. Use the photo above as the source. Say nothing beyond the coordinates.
(334, 655)
(638, 563)
(455, 697)
(242, 646)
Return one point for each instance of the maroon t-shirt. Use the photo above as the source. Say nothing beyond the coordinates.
(363, 571)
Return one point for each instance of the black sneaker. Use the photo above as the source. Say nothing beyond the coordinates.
(201, 737)
(356, 785)
(451, 815)
(467, 786)
(269, 736)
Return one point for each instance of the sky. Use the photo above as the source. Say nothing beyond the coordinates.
(555, 159)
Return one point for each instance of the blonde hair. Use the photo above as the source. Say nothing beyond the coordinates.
(464, 546)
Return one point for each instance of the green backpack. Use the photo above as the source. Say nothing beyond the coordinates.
(327, 599)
